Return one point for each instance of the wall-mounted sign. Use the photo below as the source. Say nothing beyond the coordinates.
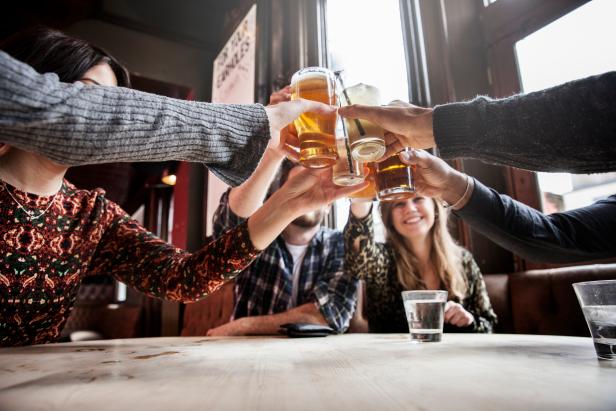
(234, 67)
(233, 82)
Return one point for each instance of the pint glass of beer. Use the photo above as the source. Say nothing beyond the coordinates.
(367, 141)
(394, 179)
(316, 132)
(368, 193)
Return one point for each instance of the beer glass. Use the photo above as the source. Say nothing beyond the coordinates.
(367, 141)
(347, 171)
(369, 193)
(394, 179)
(316, 132)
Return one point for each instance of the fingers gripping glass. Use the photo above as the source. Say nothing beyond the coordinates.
(366, 138)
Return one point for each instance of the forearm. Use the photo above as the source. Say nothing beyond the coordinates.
(74, 124)
(246, 198)
(271, 219)
(269, 324)
(137, 257)
(578, 235)
(571, 127)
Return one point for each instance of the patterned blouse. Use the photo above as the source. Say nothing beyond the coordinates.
(42, 261)
(375, 264)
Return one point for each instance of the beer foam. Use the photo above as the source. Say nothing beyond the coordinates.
(311, 81)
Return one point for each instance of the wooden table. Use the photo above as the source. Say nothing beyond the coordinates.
(348, 372)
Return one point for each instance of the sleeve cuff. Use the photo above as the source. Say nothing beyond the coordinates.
(456, 129)
(480, 197)
(325, 303)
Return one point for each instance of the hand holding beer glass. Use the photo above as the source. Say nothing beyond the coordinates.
(367, 139)
(395, 180)
(316, 132)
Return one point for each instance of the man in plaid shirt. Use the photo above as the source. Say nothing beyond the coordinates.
(300, 276)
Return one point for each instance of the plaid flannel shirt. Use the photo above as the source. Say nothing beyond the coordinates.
(265, 287)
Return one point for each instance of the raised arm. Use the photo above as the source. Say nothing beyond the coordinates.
(138, 258)
(244, 199)
(578, 235)
(76, 124)
(570, 127)
(582, 234)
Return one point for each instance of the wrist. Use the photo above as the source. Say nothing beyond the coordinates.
(426, 123)
(273, 155)
(360, 210)
(457, 189)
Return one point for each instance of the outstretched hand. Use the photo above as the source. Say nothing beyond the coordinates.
(282, 114)
(434, 177)
(407, 125)
(311, 189)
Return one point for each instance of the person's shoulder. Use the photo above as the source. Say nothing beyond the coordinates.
(92, 200)
(466, 258)
(70, 190)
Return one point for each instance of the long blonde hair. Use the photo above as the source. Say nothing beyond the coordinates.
(445, 254)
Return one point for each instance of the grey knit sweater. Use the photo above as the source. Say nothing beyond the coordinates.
(571, 127)
(76, 124)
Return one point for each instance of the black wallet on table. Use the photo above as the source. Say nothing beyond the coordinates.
(305, 330)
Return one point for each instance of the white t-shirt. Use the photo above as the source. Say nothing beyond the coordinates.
(298, 252)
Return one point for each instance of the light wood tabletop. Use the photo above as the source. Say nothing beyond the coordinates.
(346, 372)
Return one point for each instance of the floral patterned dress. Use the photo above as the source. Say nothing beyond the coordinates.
(376, 265)
(43, 260)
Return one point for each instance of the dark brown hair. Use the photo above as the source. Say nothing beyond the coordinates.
(51, 51)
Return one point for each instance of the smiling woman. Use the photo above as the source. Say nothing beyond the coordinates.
(419, 254)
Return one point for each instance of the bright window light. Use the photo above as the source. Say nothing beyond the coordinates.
(364, 38)
(578, 45)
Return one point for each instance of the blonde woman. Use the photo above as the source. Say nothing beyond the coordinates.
(419, 253)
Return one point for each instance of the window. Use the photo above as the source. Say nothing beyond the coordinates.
(578, 45)
(364, 38)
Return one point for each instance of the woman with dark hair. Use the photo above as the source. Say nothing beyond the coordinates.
(51, 51)
(419, 254)
(54, 234)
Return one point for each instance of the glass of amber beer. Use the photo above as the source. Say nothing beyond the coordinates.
(316, 132)
(394, 179)
(368, 193)
(367, 140)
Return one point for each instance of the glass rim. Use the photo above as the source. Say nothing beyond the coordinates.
(595, 282)
(418, 292)
(319, 69)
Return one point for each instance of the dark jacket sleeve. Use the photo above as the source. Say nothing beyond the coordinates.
(582, 234)
(570, 127)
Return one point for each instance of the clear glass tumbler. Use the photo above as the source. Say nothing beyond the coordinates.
(598, 302)
(425, 314)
